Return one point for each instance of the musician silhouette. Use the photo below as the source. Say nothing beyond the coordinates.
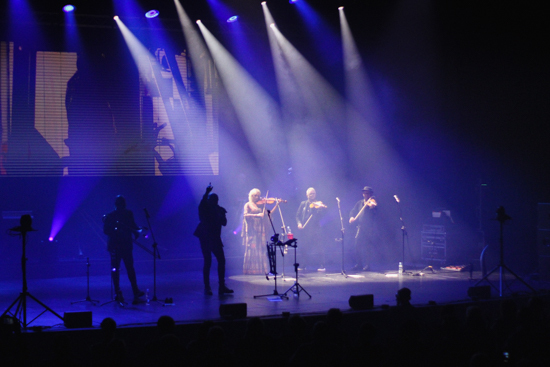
(363, 215)
(308, 216)
(121, 228)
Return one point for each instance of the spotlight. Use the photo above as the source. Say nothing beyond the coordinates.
(292, 1)
(115, 17)
(68, 8)
(199, 21)
(50, 239)
(264, 3)
(152, 14)
(272, 25)
(341, 8)
(232, 19)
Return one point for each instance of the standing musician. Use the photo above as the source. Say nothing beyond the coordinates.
(309, 230)
(363, 215)
(254, 232)
(121, 228)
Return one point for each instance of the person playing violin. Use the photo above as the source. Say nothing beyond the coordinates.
(254, 233)
(309, 230)
(363, 215)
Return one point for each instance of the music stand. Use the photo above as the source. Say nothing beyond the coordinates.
(272, 257)
(21, 301)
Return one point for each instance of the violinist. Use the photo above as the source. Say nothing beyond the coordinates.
(254, 232)
(312, 249)
(363, 215)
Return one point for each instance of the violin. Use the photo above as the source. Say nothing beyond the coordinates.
(263, 201)
(317, 205)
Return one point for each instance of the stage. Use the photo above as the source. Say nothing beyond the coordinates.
(329, 289)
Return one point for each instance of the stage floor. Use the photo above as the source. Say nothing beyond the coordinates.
(330, 289)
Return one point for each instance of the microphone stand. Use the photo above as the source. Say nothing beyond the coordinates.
(341, 239)
(88, 298)
(156, 255)
(403, 230)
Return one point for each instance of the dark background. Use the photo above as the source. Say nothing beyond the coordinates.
(465, 99)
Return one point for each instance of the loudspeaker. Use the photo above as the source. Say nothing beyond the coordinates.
(77, 319)
(233, 311)
(479, 292)
(361, 302)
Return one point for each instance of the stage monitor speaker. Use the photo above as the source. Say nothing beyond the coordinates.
(233, 311)
(361, 302)
(480, 292)
(77, 319)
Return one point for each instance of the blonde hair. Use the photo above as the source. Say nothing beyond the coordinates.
(252, 192)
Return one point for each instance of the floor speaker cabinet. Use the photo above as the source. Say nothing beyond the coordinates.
(233, 311)
(361, 302)
(77, 319)
(479, 292)
(433, 243)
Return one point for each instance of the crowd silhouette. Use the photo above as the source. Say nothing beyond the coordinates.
(513, 332)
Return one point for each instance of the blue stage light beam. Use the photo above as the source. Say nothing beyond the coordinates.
(256, 110)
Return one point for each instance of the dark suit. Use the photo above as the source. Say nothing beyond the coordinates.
(309, 238)
(365, 235)
(212, 217)
(120, 226)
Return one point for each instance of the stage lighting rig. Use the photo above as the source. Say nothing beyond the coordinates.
(152, 14)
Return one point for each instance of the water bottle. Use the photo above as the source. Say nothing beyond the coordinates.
(147, 297)
(400, 268)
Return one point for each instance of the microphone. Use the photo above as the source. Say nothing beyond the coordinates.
(146, 213)
(337, 199)
(396, 198)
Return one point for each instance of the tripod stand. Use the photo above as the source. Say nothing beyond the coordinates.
(88, 298)
(502, 217)
(296, 288)
(21, 301)
(341, 239)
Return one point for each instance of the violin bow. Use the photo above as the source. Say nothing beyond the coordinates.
(307, 221)
(362, 209)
